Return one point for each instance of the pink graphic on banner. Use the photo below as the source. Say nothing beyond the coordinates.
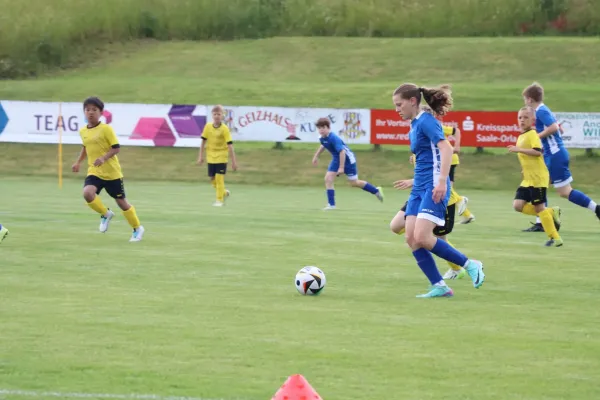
(107, 116)
(186, 125)
(155, 129)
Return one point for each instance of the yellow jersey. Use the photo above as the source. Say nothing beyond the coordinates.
(454, 197)
(449, 131)
(97, 142)
(533, 168)
(217, 139)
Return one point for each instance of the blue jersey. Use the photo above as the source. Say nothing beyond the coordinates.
(544, 118)
(334, 144)
(425, 133)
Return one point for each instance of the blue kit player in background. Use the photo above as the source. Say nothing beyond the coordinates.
(556, 155)
(3, 232)
(429, 197)
(343, 162)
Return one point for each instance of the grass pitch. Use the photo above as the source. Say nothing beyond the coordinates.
(205, 306)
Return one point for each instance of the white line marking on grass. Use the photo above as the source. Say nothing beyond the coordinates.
(78, 395)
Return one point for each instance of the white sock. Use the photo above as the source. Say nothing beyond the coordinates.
(592, 205)
(440, 283)
(538, 220)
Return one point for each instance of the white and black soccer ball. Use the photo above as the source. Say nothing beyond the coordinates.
(310, 281)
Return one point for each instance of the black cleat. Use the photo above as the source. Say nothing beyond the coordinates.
(598, 211)
(536, 228)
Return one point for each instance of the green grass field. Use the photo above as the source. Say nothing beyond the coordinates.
(487, 74)
(205, 306)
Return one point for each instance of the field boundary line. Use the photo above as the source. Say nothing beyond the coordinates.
(111, 396)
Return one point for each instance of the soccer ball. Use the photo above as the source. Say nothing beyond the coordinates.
(310, 281)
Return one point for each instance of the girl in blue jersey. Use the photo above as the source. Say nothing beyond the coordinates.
(343, 162)
(428, 199)
(556, 155)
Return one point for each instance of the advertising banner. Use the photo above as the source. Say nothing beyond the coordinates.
(478, 128)
(580, 130)
(176, 125)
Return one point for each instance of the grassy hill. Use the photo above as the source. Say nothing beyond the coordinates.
(487, 73)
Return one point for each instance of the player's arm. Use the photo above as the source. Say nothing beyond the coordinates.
(404, 184)
(320, 150)
(203, 140)
(113, 142)
(457, 138)
(446, 152)
(229, 141)
(339, 147)
(82, 156)
(549, 121)
(532, 146)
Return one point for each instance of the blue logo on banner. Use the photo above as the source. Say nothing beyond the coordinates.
(3, 118)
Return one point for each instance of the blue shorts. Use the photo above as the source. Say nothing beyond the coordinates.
(421, 205)
(350, 170)
(558, 166)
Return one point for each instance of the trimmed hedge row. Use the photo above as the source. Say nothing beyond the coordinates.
(40, 34)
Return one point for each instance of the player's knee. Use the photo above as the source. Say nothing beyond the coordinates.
(423, 239)
(518, 206)
(89, 195)
(564, 193)
(123, 204)
(395, 226)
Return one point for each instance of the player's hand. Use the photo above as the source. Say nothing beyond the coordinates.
(439, 191)
(315, 161)
(411, 159)
(457, 149)
(234, 165)
(75, 167)
(200, 160)
(340, 171)
(403, 184)
(99, 162)
(512, 149)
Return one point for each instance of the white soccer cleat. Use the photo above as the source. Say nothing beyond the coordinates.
(3, 233)
(227, 193)
(468, 220)
(218, 204)
(105, 221)
(137, 234)
(452, 274)
(462, 205)
(329, 207)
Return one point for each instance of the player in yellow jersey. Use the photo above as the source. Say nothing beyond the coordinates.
(216, 139)
(100, 146)
(467, 216)
(399, 221)
(530, 198)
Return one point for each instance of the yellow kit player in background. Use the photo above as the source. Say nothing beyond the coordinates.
(216, 138)
(100, 146)
(530, 198)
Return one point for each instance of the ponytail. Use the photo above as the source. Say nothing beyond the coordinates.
(439, 99)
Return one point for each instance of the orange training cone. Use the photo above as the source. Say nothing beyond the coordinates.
(296, 387)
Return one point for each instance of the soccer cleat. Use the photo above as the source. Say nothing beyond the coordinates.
(227, 193)
(218, 204)
(468, 220)
(452, 274)
(137, 234)
(462, 205)
(537, 227)
(3, 233)
(437, 291)
(554, 243)
(328, 207)
(379, 194)
(475, 270)
(598, 211)
(556, 213)
(105, 220)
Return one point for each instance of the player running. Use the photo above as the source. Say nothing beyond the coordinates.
(556, 155)
(530, 198)
(100, 146)
(429, 197)
(343, 162)
(3, 232)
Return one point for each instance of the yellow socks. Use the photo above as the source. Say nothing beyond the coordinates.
(132, 217)
(529, 209)
(98, 206)
(547, 219)
(454, 197)
(213, 183)
(220, 186)
(453, 266)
